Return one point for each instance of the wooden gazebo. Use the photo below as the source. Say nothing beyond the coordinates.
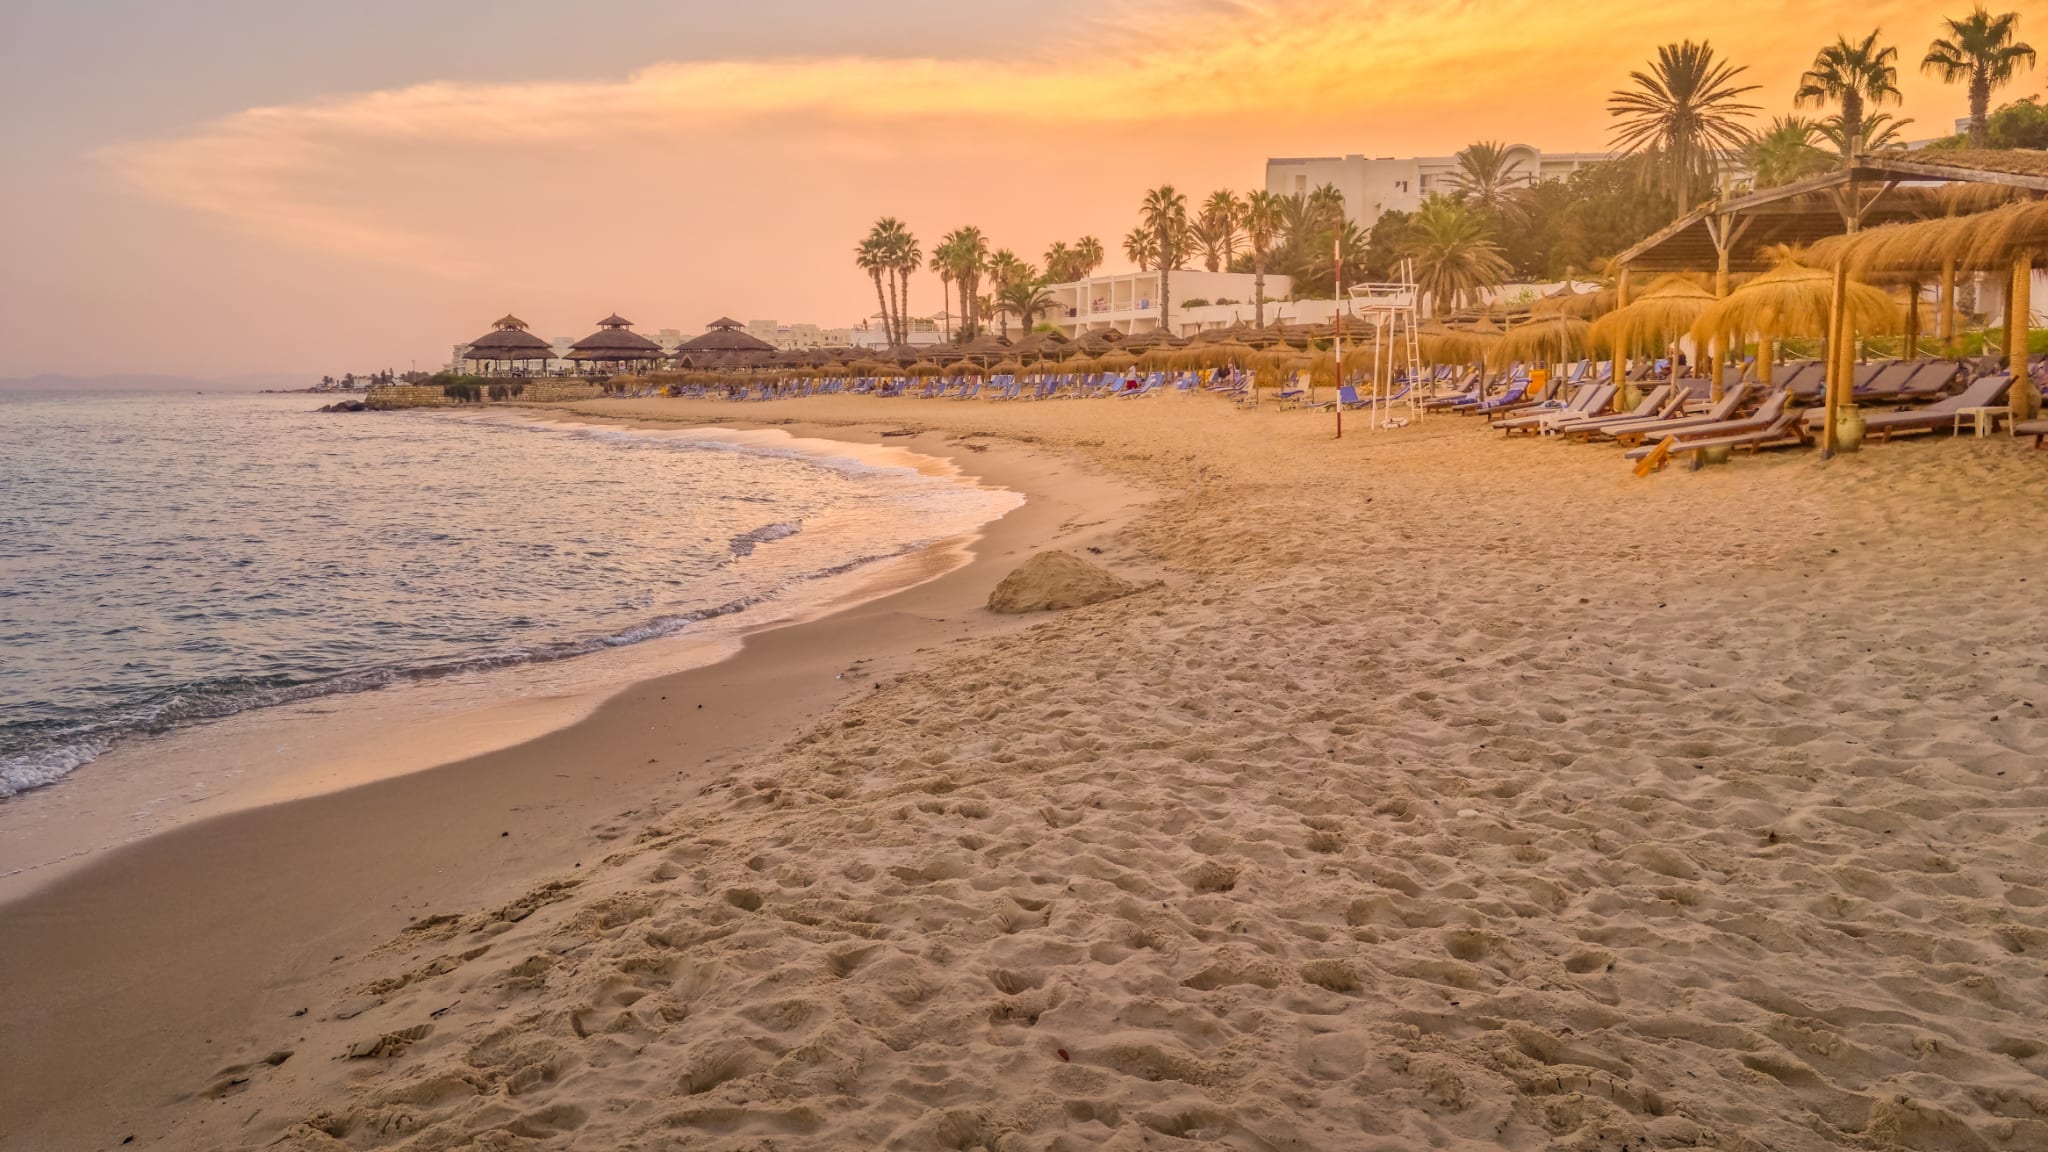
(615, 343)
(725, 344)
(1870, 191)
(508, 342)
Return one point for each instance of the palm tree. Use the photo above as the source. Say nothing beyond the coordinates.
(1455, 259)
(1005, 269)
(1027, 300)
(942, 263)
(1262, 223)
(1981, 51)
(873, 257)
(1851, 74)
(1325, 208)
(1681, 112)
(1088, 255)
(967, 257)
(1059, 263)
(1785, 151)
(1217, 229)
(903, 256)
(1141, 248)
(1880, 131)
(1486, 176)
(1165, 213)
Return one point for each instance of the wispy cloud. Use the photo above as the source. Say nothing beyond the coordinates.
(339, 175)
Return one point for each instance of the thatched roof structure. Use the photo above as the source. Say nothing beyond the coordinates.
(508, 339)
(1663, 314)
(724, 336)
(1878, 188)
(1792, 300)
(614, 341)
(1098, 342)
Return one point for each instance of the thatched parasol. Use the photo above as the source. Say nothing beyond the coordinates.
(1115, 361)
(1661, 315)
(1441, 344)
(924, 370)
(1790, 300)
(1551, 338)
(1569, 301)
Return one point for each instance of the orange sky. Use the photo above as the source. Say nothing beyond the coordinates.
(374, 228)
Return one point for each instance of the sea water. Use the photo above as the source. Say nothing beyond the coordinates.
(171, 559)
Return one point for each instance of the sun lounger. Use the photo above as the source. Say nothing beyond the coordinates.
(1635, 432)
(1932, 378)
(1664, 398)
(1769, 417)
(1886, 382)
(2038, 429)
(1941, 414)
(1507, 399)
(1529, 417)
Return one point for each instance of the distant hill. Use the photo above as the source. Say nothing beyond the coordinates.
(144, 382)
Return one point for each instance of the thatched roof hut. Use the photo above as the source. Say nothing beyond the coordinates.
(724, 337)
(614, 342)
(509, 340)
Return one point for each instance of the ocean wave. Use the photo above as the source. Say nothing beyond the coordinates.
(745, 543)
(37, 766)
(41, 755)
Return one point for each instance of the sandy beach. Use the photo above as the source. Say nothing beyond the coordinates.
(1437, 791)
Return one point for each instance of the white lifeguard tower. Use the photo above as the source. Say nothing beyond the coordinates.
(1396, 348)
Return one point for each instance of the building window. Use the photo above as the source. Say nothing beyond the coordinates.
(1301, 185)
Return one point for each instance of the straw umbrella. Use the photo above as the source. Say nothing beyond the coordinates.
(2003, 238)
(1673, 304)
(1569, 301)
(1552, 338)
(1790, 300)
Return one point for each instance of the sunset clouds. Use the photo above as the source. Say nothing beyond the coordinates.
(683, 190)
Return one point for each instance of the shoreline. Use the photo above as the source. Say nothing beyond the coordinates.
(243, 909)
(147, 784)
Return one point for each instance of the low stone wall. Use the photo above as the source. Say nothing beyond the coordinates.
(388, 396)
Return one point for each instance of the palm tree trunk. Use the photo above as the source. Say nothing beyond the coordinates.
(1259, 287)
(946, 297)
(1980, 109)
(882, 299)
(1852, 123)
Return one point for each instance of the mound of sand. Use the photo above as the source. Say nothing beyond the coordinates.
(1053, 580)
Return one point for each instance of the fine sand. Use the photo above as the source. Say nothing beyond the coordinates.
(1446, 793)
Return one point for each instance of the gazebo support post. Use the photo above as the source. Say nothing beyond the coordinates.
(1913, 320)
(1620, 369)
(2024, 398)
(1945, 303)
(1837, 365)
(1720, 293)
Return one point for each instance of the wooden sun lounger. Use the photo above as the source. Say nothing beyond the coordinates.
(1639, 431)
(1933, 418)
(1658, 403)
(2038, 429)
(1770, 420)
(1585, 399)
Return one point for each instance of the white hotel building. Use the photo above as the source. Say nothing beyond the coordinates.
(1386, 184)
(1128, 302)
